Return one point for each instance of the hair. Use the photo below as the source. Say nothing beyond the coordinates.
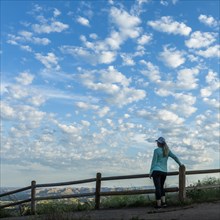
(165, 148)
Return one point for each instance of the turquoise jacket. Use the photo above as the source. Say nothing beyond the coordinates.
(159, 162)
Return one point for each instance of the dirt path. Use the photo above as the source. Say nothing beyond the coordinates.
(204, 211)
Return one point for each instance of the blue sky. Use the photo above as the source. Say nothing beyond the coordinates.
(87, 86)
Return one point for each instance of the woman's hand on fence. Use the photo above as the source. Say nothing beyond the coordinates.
(182, 165)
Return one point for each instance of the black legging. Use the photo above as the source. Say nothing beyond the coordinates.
(159, 180)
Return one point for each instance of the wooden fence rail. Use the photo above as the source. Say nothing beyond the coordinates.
(98, 193)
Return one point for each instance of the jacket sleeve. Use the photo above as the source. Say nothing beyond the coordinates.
(153, 162)
(172, 155)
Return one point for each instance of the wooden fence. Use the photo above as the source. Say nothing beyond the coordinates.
(98, 193)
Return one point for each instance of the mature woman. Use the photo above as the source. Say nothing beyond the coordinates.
(158, 170)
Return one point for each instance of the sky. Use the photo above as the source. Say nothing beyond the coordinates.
(88, 86)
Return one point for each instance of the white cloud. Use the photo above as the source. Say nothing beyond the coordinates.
(24, 91)
(26, 48)
(140, 2)
(111, 75)
(163, 92)
(208, 20)
(114, 40)
(152, 72)
(168, 25)
(138, 7)
(111, 2)
(212, 78)
(212, 51)
(193, 58)
(163, 2)
(69, 129)
(37, 100)
(126, 23)
(85, 123)
(104, 52)
(83, 21)
(186, 79)
(207, 125)
(200, 39)
(26, 34)
(86, 106)
(79, 52)
(26, 37)
(212, 102)
(41, 41)
(127, 116)
(184, 105)
(114, 84)
(25, 78)
(7, 112)
(213, 84)
(188, 99)
(206, 92)
(13, 39)
(166, 2)
(169, 117)
(17, 92)
(29, 117)
(127, 59)
(144, 39)
(127, 96)
(90, 56)
(107, 57)
(107, 88)
(54, 26)
(56, 12)
(103, 111)
(49, 61)
(171, 57)
(93, 36)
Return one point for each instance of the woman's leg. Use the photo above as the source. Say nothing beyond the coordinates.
(157, 183)
(162, 181)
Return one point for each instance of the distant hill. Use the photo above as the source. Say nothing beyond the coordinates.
(41, 192)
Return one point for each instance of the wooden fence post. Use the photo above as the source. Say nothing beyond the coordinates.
(33, 194)
(182, 183)
(98, 189)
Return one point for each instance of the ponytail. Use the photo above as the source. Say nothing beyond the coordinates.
(165, 149)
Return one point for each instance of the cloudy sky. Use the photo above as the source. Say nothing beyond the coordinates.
(87, 86)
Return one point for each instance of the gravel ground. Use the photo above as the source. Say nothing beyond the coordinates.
(204, 211)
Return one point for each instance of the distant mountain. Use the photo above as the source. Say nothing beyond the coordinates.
(43, 192)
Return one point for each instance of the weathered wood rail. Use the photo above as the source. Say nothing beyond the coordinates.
(98, 193)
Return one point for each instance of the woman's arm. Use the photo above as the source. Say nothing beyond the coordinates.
(172, 155)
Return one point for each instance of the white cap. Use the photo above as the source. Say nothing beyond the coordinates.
(161, 140)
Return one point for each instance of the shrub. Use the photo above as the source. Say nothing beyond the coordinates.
(5, 213)
(60, 206)
(124, 201)
(204, 195)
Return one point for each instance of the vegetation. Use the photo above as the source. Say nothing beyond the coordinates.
(5, 213)
(125, 201)
(57, 209)
(60, 206)
(204, 195)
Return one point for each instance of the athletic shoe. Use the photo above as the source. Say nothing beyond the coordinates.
(164, 205)
(157, 207)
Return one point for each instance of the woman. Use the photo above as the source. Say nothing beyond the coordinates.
(158, 170)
